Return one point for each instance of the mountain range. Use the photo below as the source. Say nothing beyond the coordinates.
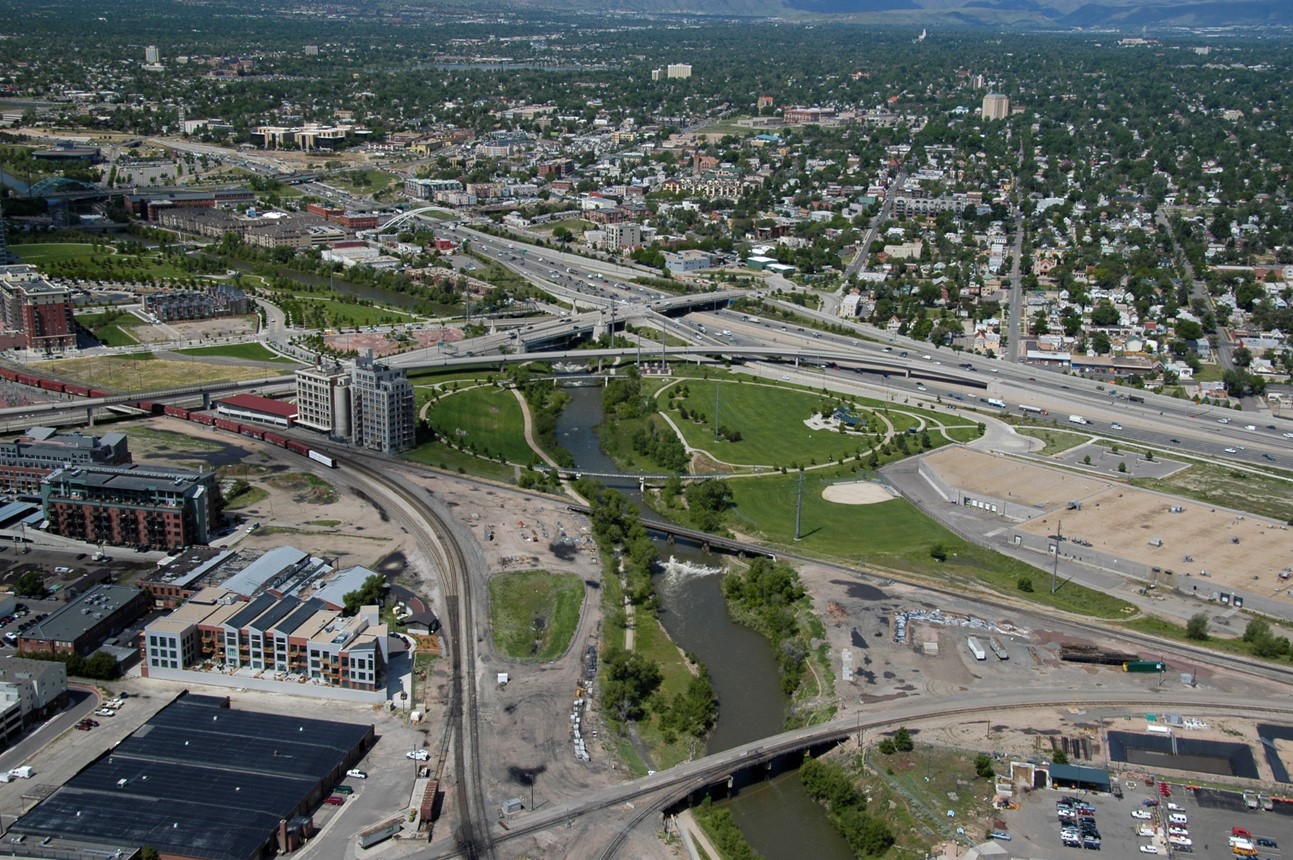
(1048, 14)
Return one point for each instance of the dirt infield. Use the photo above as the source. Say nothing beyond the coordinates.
(1013, 480)
(856, 493)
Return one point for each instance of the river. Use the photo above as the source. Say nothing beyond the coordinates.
(777, 816)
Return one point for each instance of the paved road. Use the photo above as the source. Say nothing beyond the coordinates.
(82, 701)
(1015, 325)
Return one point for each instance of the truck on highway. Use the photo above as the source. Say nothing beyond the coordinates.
(1078, 419)
(993, 401)
(976, 649)
(1037, 410)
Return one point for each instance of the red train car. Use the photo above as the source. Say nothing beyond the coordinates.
(99, 392)
(202, 418)
(275, 439)
(8, 373)
(177, 412)
(78, 390)
(52, 385)
(226, 424)
(27, 379)
(253, 432)
(297, 447)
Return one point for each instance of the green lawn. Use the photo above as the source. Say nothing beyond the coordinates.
(248, 351)
(82, 260)
(343, 315)
(1056, 440)
(534, 613)
(770, 419)
(651, 640)
(485, 419)
(369, 181)
(112, 328)
(893, 534)
(441, 456)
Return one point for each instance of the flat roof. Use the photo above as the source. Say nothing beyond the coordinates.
(254, 576)
(256, 403)
(69, 623)
(200, 780)
(335, 590)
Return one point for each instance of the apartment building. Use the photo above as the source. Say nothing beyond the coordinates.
(36, 315)
(323, 399)
(27, 460)
(132, 505)
(381, 407)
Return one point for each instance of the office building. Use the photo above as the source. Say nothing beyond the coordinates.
(381, 407)
(152, 56)
(996, 106)
(132, 505)
(678, 70)
(323, 399)
(25, 461)
(84, 623)
(37, 315)
(624, 234)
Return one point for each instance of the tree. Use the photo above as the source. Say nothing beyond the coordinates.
(1060, 757)
(1105, 313)
(30, 584)
(983, 766)
(148, 852)
(902, 740)
(370, 592)
(628, 680)
(1197, 627)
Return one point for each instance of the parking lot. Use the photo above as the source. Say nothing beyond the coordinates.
(1035, 827)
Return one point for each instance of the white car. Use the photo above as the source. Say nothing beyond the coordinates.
(1250, 426)
(1146, 830)
(1116, 426)
(356, 773)
(1231, 451)
(1223, 420)
(1141, 813)
(105, 712)
(1174, 807)
(1149, 849)
(418, 755)
(1181, 841)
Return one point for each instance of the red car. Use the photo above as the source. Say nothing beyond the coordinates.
(334, 799)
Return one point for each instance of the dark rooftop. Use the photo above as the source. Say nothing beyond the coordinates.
(201, 780)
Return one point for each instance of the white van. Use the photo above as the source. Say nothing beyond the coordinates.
(1178, 818)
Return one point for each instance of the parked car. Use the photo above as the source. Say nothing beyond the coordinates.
(343, 789)
(105, 712)
(1149, 849)
(356, 773)
(334, 800)
(1141, 813)
(418, 755)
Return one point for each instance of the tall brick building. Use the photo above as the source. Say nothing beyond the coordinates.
(132, 505)
(36, 314)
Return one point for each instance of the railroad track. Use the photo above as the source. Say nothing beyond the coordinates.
(472, 835)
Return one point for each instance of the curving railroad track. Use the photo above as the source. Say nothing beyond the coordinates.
(472, 834)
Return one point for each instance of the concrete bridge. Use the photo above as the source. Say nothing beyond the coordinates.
(650, 795)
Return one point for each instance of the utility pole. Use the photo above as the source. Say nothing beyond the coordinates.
(1055, 569)
(799, 507)
(718, 389)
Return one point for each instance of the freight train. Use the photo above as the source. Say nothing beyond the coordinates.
(152, 407)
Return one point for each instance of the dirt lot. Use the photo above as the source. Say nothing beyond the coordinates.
(380, 344)
(195, 330)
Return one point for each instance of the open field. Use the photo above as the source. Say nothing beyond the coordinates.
(487, 419)
(769, 418)
(893, 534)
(534, 613)
(249, 351)
(343, 314)
(122, 374)
(81, 260)
(112, 328)
(1056, 440)
(441, 456)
